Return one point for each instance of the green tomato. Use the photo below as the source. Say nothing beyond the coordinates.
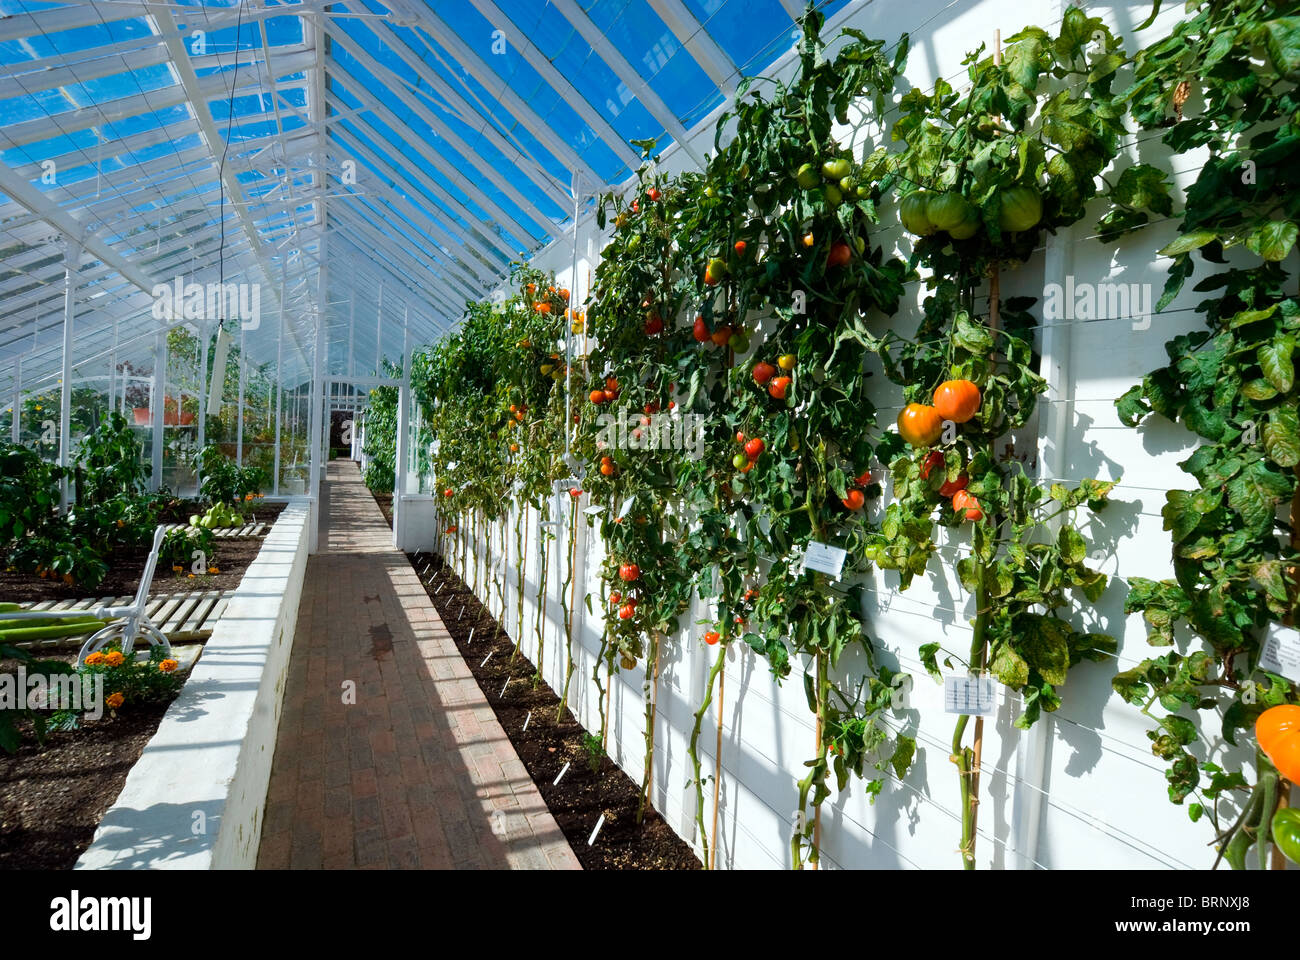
(836, 169)
(833, 196)
(950, 210)
(739, 461)
(739, 341)
(848, 185)
(1286, 832)
(1022, 208)
(913, 214)
(807, 176)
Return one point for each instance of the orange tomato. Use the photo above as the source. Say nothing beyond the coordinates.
(854, 500)
(957, 400)
(1278, 732)
(920, 425)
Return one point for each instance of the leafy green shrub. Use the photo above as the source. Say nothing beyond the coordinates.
(381, 440)
(225, 481)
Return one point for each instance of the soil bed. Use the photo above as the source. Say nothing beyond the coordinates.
(124, 569)
(52, 798)
(582, 796)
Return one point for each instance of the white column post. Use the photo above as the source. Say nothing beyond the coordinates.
(314, 413)
(72, 262)
(16, 426)
(279, 389)
(156, 407)
(239, 412)
(403, 425)
(203, 397)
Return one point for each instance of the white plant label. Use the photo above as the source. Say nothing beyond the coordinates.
(563, 771)
(599, 823)
(971, 696)
(627, 505)
(824, 558)
(1281, 653)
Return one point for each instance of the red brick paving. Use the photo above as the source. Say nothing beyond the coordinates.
(417, 773)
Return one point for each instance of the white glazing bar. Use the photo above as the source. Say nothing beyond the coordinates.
(156, 407)
(239, 411)
(16, 426)
(72, 259)
(279, 390)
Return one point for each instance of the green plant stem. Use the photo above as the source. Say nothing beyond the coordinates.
(651, 681)
(693, 749)
(964, 757)
(539, 619)
(568, 609)
(521, 547)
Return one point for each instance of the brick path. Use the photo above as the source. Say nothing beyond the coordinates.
(417, 773)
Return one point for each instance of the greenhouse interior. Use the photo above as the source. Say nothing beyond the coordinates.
(650, 435)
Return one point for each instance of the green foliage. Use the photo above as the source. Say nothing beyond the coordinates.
(1233, 385)
(223, 480)
(380, 446)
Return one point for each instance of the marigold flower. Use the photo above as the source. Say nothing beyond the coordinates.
(178, 569)
(189, 576)
(115, 658)
(167, 666)
(114, 700)
(94, 659)
(213, 570)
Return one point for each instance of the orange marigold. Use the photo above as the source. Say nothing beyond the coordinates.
(213, 570)
(167, 666)
(114, 700)
(94, 659)
(114, 658)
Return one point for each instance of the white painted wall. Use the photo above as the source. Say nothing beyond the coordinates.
(1081, 789)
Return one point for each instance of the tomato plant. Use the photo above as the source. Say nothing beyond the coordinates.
(1233, 385)
(983, 173)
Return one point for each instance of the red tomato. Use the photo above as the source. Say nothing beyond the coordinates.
(778, 387)
(627, 611)
(932, 460)
(629, 572)
(763, 372)
(754, 448)
(711, 637)
(950, 487)
(701, 330)
(854, 500)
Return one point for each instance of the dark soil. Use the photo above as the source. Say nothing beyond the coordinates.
(179, 511)
(385, 501)
(52, 798)
(124, 569)
(582, 796)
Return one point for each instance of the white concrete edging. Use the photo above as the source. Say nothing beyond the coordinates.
(196, 797)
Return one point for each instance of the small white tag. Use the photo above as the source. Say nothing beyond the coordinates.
(1281, 653)
(824, 558)
(627, 505)
(593, 510)
(971, 696)
(563, 771)
(599, 823)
